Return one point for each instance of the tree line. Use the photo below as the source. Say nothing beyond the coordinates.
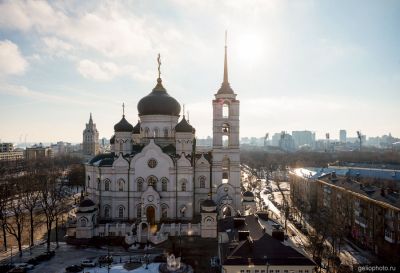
(37, 194)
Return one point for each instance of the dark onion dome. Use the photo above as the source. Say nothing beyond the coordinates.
(248, 194)
(112, 139)
(158, 102)
(183, 126)
(208, 203)
(86, 203)
(123, 126)
(136, 129)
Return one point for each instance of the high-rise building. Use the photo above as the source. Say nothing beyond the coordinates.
(343, 136)
(90, 139)
(302, 138)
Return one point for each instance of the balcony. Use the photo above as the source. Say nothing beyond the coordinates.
(361, 221)
(389, 236)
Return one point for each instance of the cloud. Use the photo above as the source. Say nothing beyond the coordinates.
(106, 71)
(56, 45)
(11, 60)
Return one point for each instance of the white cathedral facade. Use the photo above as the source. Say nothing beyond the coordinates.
(155, 175)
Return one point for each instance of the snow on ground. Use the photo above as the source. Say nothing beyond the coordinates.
(119, 268)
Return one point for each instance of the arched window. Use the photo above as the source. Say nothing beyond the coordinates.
(183, 184)
(121, 146)
(225, 170)
(165, 132)
(225, 128)
(225, 110)
(225, 141)
(156, 132)
(164, 211)
(147, 132)
(139, 211)
(202, 182)
(107, 185)
(121, 212)
(98, 184)
(139, 183)
(121, 183)
(107, 211)
(152, 181)
(164, 184)
(83, 222)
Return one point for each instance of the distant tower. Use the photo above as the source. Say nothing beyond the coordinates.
(226, 153)
(90, 139)
(343, 136)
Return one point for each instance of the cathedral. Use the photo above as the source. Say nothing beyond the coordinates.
(154, 174)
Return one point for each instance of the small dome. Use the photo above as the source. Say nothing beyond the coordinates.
(112, 139)
(86, 203)
(158, 102)
(123, 126)
(248, 194)
(208, 203)
(183, 126)
(136, 129)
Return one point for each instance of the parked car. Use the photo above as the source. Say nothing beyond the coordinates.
(27, 266)
(18, 270)
(88, 263)
(105, 259)
(33, 261)
(73, 268)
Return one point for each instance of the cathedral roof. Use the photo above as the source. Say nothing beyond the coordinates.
(136, 129)
(248, 194)
(159, 102)
(86, 203)
(123, 126)
(183, 126)
(208, 203)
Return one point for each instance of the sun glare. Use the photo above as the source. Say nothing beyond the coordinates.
(249, 48)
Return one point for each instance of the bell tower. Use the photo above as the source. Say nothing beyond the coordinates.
(226, 151)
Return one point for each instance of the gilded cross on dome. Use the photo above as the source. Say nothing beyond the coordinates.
(159, 65)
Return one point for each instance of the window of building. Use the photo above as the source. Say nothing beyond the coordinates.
(202, 181)
(248, 271)
(225, 128)
(306, 271)
(147, 132)
(183, 186)
(121, 185)
(256, 271)
(241, 271)
(107, 212)
(121, 146)
(225, 110)
(83, 222)
(152, 181)
(121, 212)
(225, 141)
(107, 185)
(156, 132)
(98, 184)
(139, 183)
(165, 132)
(139, 211)
(164, 212)
(164, 184)
(152, 163)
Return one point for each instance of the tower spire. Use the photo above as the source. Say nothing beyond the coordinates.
(90, 118)
(123, 109)
(226, 60)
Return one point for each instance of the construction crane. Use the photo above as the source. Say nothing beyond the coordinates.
(266, 139)
(359, 135)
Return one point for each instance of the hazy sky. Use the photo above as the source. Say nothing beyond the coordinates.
(295, 65)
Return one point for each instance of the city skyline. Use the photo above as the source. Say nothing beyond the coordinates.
(304, 65)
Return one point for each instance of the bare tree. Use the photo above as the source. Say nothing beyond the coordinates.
(4, 197)
(49, 199)
(30, 200)
(15, 222)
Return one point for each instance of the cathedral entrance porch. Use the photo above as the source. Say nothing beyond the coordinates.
(151, 215)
